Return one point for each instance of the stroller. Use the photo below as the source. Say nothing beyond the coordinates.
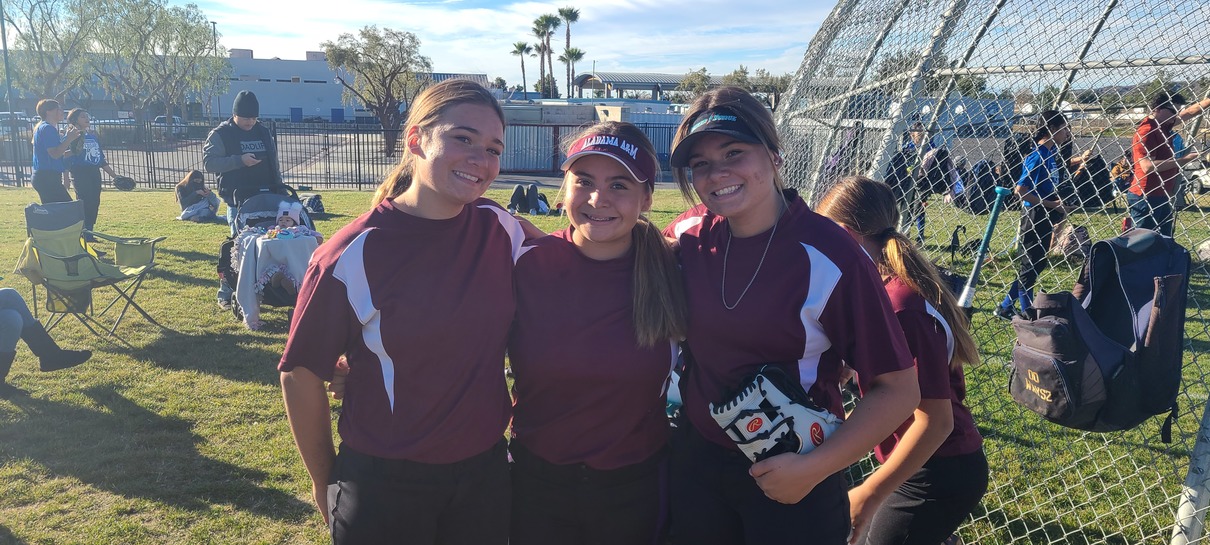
(258, 208)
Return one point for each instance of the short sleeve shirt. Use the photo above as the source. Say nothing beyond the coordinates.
(421, 308)
(931, 341)
(1153, 141)
(46, 136)
(816, 301)
(1040, 173)
(587, 392)
(90, 155)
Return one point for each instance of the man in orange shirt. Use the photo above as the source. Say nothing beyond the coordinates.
(1156, 166)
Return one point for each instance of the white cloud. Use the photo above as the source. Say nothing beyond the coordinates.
(477, 35)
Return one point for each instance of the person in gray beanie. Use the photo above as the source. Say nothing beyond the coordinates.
(242, 153)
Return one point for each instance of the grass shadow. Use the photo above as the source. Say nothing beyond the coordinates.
(131, 451)
(191, 255)
(7, 537)
(244, 357)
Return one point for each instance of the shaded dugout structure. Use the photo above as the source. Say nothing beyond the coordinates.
(614, 84)
(972, 73)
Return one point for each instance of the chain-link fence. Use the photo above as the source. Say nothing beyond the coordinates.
(884, 83)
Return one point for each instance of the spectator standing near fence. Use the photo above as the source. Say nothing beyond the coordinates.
(49, 148)
(1156, 165)
(904, 179)
(85, 161)
(1041, 207)
(242, 153)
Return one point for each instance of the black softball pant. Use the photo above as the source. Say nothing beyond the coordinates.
(1036, 231)
(927, 508)
(716, 502)
(578, 505)
(379, 501)
(49, 185)
(87, 181)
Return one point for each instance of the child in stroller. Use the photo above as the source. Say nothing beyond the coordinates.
(265, 260)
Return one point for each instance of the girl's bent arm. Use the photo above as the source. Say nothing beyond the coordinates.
(310, 421)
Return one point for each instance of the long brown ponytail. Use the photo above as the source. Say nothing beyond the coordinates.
(867, 207)
(425, 111)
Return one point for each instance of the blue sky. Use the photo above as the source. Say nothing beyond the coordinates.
(476, 36)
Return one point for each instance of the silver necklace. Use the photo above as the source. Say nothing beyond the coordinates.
(727, 253)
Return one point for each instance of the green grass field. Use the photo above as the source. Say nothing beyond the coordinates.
(183, 438)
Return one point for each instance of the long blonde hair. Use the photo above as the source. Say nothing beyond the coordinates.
(660, 310)
(425, 112)
(867, 207)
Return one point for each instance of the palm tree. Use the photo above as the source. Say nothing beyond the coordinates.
(522, 49)
(540, 33)
(550, 23)
(570, 57)
(570, 15)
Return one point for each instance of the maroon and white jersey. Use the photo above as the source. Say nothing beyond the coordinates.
(931, 340)
(421, 308)
(818, 300)
(587, 393)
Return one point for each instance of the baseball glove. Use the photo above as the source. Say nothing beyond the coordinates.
(123, 183)
(772, 414)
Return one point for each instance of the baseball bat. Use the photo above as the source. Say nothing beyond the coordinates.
(967, 299)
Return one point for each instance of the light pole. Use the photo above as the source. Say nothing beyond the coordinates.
(216, 101)
(8, 95)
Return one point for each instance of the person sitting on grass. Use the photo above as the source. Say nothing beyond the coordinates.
(16, 322)
(198, 204)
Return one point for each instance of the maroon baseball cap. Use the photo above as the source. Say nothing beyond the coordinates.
(637, 161)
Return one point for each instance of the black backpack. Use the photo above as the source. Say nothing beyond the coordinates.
(1108, 356)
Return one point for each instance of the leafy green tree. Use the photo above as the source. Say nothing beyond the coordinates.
(738, 78)
(388, 72)
(53, 38)
(499, 83)
(522, 49)
(771, 87)
(146, 52)
(548, 86)
(541, 33)
(692, 86)
(569, 15)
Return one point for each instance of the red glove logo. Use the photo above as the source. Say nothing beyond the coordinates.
(755, 424)
(816, 433)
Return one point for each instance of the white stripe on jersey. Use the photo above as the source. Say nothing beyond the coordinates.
(685, 225)
(825, 275)
(949, 333)
(351, 271)
(511, 226)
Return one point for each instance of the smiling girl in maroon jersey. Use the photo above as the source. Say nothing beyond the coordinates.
(590, 434)
(769, 282)
(933, 469)
(418, 295)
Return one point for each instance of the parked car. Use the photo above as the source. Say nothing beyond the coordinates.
(178, 127)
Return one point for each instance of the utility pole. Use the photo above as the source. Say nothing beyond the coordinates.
(8, 96)
(215, 101)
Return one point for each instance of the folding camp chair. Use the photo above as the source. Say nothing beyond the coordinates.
(56, 257)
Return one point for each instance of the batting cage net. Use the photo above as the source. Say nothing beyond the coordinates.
(942, 100)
